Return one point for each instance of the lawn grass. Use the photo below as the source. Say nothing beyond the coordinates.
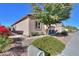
(49, 44)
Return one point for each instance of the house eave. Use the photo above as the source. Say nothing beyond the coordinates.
(23, 18)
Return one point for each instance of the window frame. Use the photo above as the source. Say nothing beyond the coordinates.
(37, 25)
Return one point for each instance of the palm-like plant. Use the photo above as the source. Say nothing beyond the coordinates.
(4, 43)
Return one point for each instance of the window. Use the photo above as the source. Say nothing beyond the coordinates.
(37, 25)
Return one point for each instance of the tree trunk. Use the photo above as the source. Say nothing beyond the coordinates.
(47, 30)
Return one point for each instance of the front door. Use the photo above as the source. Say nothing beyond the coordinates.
(52, 32)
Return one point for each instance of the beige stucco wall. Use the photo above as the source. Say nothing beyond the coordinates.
(28, 26)
(59, 27)
(23, 26)
(33, 29)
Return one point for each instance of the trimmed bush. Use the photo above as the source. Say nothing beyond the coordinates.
(35, 34)
(49, 44)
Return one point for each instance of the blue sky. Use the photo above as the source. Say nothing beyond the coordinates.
(10, 13)
(74, 16)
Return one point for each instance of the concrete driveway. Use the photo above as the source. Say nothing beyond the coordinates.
(72, 47)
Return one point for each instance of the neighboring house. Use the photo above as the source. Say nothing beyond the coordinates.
(29, 24)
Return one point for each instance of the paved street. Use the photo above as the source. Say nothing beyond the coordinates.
(72, 48)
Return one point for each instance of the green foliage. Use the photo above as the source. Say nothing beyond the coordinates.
(71, 28)
(51, 13)
(4, 43)
(50, 45)
(35, 34)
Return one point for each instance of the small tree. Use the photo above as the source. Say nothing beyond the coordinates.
(52, 13)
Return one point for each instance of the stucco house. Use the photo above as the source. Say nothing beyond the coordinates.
(29, 24)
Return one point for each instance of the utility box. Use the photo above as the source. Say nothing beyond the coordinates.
(33, 51)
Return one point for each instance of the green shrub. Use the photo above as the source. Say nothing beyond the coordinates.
(50, 45)
(71, 28)
(35, 34)
(5, 43)
(64, 33)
